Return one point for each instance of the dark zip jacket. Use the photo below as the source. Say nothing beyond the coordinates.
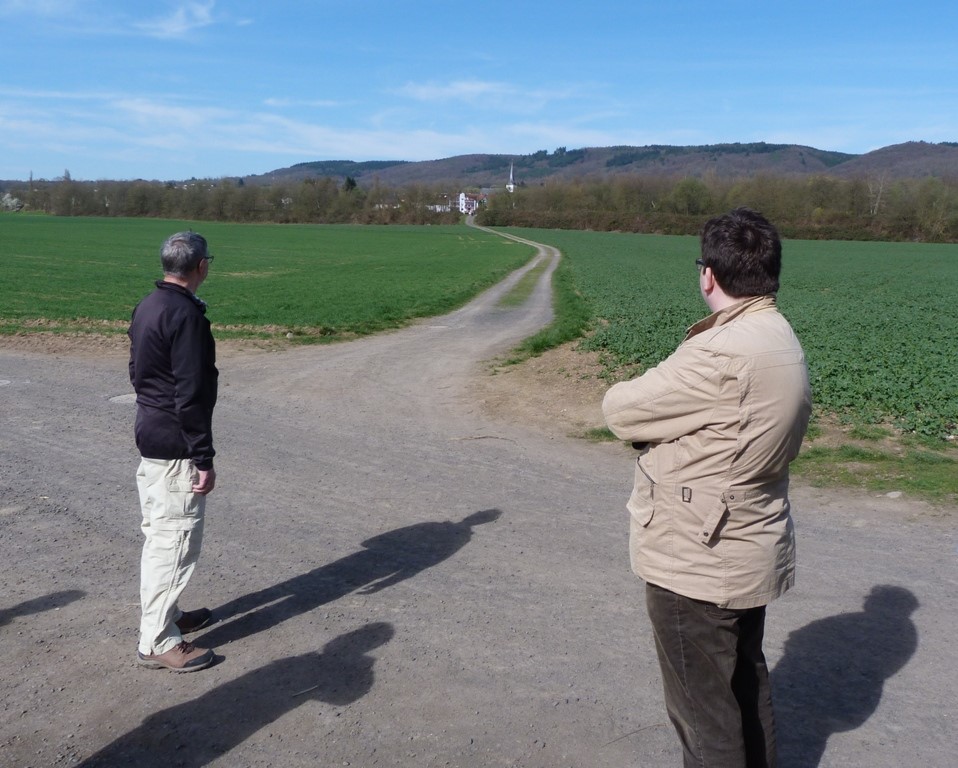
(173, 371)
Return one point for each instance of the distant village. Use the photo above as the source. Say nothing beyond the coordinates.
(469, 202)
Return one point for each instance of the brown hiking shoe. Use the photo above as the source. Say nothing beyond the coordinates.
(193, 621)
(184, 657)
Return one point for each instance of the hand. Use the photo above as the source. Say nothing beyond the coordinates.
(205, 481)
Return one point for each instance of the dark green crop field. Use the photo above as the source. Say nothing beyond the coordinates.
(878, 321)
(317, 281)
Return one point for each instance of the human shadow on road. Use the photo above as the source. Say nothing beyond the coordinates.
(40, 604)
(831, 675)
(198, 732)
(383, 561)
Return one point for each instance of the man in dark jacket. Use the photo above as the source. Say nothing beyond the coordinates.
(173, 370)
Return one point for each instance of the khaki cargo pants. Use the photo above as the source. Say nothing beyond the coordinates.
(173, 530)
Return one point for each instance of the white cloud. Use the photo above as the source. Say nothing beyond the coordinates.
(500, 97)
(39, 95)
(172, 118)
(460, 90)
(36, 7)
(133, 135)
(183, 20)
(280, 103)
(178, 135)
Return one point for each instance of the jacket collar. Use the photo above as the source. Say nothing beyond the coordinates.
(168, 286)
(723, 316)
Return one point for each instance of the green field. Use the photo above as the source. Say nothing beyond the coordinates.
(317, 281)
(877, 320)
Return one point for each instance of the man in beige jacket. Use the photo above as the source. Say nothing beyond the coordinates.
(716, 425)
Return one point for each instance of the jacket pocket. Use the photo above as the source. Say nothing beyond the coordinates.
(714, 516)
(642, 501)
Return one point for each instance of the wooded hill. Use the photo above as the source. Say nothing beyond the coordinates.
(911, 160)
(904, 192)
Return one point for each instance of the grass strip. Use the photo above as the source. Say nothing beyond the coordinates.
(931, 475)
(573, 317)
(522, 290)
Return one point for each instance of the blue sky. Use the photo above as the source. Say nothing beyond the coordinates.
(172, 90)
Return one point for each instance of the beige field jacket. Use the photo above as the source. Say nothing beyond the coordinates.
(722, 418)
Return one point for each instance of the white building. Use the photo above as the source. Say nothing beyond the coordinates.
(469, 204)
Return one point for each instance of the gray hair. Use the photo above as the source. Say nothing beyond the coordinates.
(182, 253)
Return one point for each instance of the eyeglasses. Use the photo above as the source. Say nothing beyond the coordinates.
(699, 265)
(208, 257)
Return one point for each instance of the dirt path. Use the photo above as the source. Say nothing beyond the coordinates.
(414, 566)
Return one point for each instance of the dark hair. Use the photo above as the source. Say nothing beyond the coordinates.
(744, 252)
(182, 253)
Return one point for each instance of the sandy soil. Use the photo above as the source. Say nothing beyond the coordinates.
(412, 563)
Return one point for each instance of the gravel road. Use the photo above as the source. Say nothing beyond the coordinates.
(402, 579)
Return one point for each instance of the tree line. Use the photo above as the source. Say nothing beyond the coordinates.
(814, 207)
(323, 200)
